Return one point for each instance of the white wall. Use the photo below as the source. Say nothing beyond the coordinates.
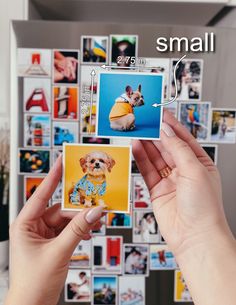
(9, 10)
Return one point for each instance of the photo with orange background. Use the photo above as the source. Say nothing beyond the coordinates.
(65, 102)
(116, 196)
(31, 184)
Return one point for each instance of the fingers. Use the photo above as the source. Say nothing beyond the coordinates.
(36, 205)
(76, 230)
(154, 155)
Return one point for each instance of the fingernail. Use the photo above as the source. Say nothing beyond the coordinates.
(167, 130)
(94, 214)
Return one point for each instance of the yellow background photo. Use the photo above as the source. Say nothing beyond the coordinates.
(117, 181)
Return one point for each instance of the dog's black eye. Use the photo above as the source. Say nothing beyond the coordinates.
(102, 161)
(92, 161)
(141, 96)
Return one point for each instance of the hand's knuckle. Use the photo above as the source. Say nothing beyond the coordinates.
(77, 229)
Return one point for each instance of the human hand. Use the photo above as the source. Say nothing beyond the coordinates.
(188, 203)
(42, 241)
(67, 66)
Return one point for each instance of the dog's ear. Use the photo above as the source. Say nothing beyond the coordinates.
(139, 88)
(83, 164)
(111, 162)
(129, 90)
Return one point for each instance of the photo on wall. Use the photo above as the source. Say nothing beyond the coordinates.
(196, 118)
(66, 67)
(131, 290)
(94, 140)
(94, 49)
(212, 151)
(141, 195)
(189, 79)
(105, 289)
(161, 258)
(81, 257)
(34, 62)
(78, 286)
(145, 228)
(37, 130)
(35, 161)
(136, 259)
(30, 185)
(88, 118)
(64, 132)
(223, 125)
(125, 105)
(37, 95)
(65, 103)
(96, 175)
(123, 50)
(119, 221)
(181, 292)
(107, 254)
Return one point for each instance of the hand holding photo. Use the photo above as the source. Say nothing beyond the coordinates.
(119, 94)
(96, 175)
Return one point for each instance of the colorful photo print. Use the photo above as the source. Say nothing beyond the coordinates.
(34, 62)
(96, 175)
(78, 286)
(161, 258)
(102, 230)
(134, 169)
(195, 117)
(89, 82)
(119, 220)
(212, 151)
(145, 228)
(37, 130)
(88, 118)
(136, 260)
(223, 125)
(34, 161)
(95, 140)
(37, 95)
(123, 50)
(160, 66)
(107, 254)
(66, 66)
(105, 290)
(141, 196)
(64, 132)
(94, 49)
(81, 257)
(30, 185)
(65, 103)
(125, 105)
(189, 79)
(181, 292)
(131, 290)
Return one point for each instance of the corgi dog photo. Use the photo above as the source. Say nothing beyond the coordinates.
(122, 113)
(91, 188)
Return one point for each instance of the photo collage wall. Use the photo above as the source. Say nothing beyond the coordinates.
(70, 97)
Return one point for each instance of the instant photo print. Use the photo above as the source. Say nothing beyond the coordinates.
(81, 257)
(88, 118)
(161, 258)
(64, 132)
(136, 260)
(141, 196)
(223, 125)
(78, 286)
(107, 254)
(30, 185)
(96, 175)
(131, 290)
(212, 151)
(118, 221)
(95, 140)
(65, 103)
(35, 161)
(196, 118)
(94, 49)
(181, 292)
(105, 289)
(125, 102)
(37, 95)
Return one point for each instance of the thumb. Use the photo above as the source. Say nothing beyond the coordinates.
(183, 156)
(77, 229)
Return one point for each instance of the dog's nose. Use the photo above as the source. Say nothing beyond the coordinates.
(97, 164)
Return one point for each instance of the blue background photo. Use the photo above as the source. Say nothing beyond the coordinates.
(147, 118)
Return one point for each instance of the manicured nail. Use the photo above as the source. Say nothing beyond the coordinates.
(167, 130)
(94, 214)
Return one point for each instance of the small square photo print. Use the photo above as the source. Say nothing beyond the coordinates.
(64, 132)
(88, 118)
(119, 221)
(65, 67)
(131, 290)
(212, 151)
(223, 125)
(105, 290)
(65, 103)
(181, 292)
(81, 257)
(161, 258)
(123, 50)
(78, 286)
(125, 105)
(94, 49)
(34, 62)
(196, 118)
(136, 260)
(96, 175)
(31, 183)
(35, 161)
(37, 95)
(141, 196)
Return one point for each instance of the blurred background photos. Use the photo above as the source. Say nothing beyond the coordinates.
(65, 103)
(181, 292)
(81, 257)
(105, 290)
(94, 49)
(136, 259)
(141, 196)
(35, 161)
(131, 290)
(30, 185)
(161, 258)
